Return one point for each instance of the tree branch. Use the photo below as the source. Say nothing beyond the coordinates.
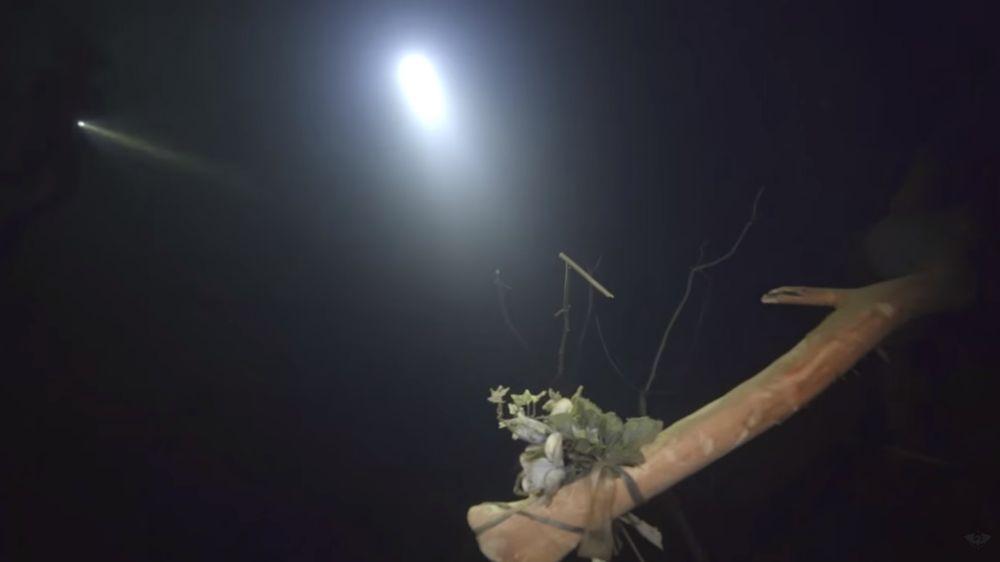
(860, 320)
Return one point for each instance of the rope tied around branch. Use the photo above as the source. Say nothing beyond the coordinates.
(599, 537)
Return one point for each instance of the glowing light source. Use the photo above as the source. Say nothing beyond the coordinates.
(81, 124)
(422, 89)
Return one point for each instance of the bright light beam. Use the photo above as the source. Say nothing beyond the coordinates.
(422, 89)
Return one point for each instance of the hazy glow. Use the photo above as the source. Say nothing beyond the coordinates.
(80, 124)
(422, 88)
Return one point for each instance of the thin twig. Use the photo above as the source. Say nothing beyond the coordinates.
(614, 365)
(593, 282)
(631, 543)
(694, 545)
(502, 290)
(699, 323)
(913, 455)
(687, 293)
(590, 306)
(561, 362)
(611, 360)
(586, 321)
(883, 355)
(701, 312)
(739, 239)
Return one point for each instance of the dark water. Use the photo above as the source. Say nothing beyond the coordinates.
(294, 366)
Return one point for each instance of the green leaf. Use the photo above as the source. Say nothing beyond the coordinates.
(624, 456)
(585, 407)
(526, 398)
(636, 433)
(497, 394)
(563, 423)
(588, 415)
(639, 432)
(610, 428)
(583, 447)
(554, 397)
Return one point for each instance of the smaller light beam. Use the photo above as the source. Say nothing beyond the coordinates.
(421, 88)
(135, 143)
(178, 159)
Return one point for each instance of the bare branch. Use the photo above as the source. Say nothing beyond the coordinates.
(614, 364)
(920, 457)
(739, 239)
(590, 307)
(502, 290)
(607, 354)
(699, 267)
(631, 543)
(561, 362)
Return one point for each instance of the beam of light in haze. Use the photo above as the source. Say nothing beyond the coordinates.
(138, 145)
(183, 161)
(422, 89)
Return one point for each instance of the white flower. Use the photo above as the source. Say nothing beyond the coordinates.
(553, 448)
(541, 475)
(552, 480)
(528, 429)
(562, 406)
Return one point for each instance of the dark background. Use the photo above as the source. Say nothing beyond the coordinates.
(293, 364)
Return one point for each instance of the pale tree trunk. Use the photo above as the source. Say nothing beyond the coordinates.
(860, 320)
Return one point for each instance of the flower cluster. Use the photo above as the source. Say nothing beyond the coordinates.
(568, 437)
